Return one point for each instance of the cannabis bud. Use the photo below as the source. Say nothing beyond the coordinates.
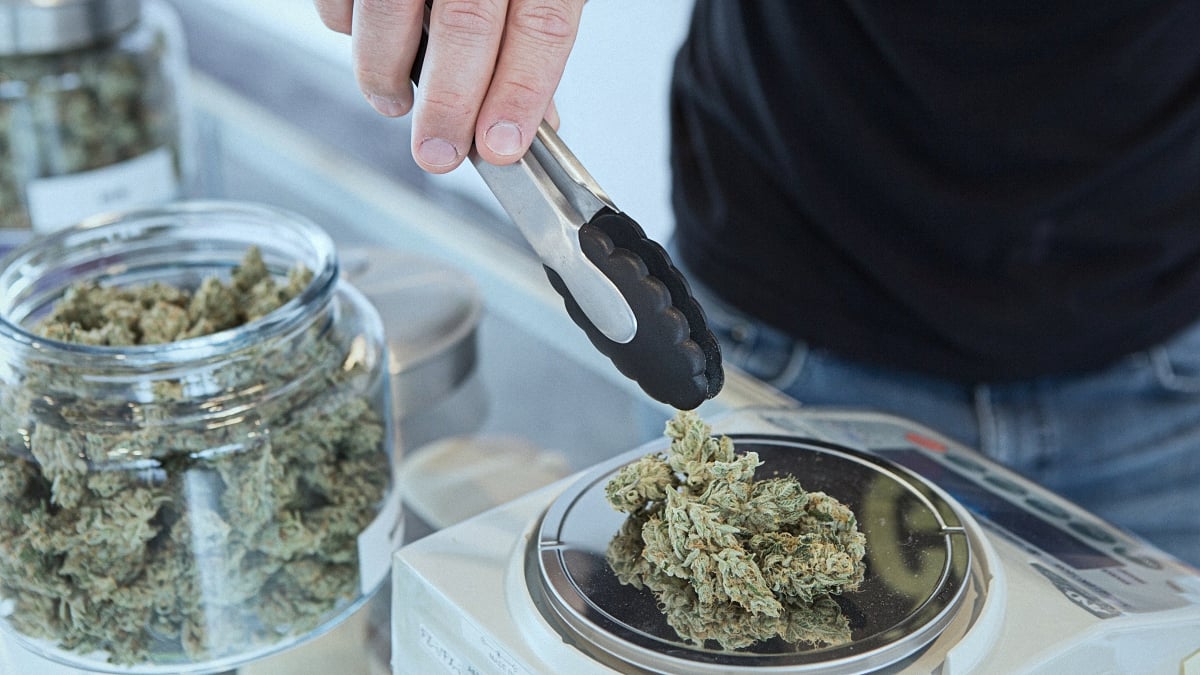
(729, 558)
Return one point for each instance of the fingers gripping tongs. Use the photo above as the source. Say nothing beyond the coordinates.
(617, 284)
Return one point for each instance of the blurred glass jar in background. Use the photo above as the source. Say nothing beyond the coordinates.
(201, 503)
(92, 111)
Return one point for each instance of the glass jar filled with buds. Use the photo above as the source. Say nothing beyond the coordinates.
(196, 448)
(92, 110)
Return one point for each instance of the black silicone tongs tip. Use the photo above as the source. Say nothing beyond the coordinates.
(673, 356)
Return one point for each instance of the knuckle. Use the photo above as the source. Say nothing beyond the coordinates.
(523, 89)
(549, 23)
(468, 20)
(447, 105)
(384, 10)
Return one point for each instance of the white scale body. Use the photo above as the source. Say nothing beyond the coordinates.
(1049, 588)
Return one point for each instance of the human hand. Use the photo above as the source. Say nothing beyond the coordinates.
(488, 78)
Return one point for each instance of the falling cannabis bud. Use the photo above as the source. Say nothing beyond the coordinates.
(153, 532)
(729, 558)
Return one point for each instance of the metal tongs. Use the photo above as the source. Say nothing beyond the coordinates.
(550, 196)
(617, 284)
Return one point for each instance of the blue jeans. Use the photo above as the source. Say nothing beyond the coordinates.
(1123, 442)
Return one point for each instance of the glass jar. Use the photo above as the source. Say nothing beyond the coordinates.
(193, 505)
(92, 111)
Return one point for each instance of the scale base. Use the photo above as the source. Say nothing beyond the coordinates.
(462, 604)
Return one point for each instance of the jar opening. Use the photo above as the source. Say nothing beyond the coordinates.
(179, 245)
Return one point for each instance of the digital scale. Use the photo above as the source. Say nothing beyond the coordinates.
(970, 569)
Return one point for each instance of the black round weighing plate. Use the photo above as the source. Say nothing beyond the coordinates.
(918, 560)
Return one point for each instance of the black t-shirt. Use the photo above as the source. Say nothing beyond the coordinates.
(975, 189)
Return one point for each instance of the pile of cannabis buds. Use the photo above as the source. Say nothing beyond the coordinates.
(729, 558)
(195, 550)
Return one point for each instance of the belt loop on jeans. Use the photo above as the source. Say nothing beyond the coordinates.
(989, 432)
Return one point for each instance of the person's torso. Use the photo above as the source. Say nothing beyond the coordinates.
(978, 189)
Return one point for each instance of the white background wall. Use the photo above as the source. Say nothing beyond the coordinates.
(612, 101)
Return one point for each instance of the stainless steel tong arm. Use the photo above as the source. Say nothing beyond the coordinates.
(550, 196)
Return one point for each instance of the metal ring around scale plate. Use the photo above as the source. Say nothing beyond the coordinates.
(918, 564)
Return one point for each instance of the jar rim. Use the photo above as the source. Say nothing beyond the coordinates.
(111, 229)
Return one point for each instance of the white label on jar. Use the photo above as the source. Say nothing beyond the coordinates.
(60, 201)
(376, 543)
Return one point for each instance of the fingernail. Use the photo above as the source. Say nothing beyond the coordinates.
(437, 152)
(503, 138)
(385, 106)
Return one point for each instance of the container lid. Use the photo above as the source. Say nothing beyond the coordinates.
(917, 571)
(44, 26)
